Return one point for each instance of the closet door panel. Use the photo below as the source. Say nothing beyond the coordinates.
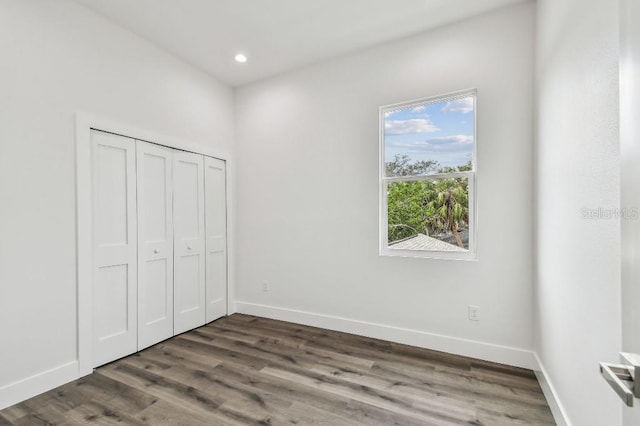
(216, 242)
(155, 243)
(189, 241)
(114, 247)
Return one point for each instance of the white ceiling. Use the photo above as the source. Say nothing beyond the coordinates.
(278, 35)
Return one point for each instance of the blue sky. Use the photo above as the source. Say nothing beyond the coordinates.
(441, 131)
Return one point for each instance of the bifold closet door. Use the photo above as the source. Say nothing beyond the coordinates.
(189, 241)
(216, 244)
(114, 247)
(155, 243)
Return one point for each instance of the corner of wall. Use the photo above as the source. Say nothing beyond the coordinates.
(550, 394)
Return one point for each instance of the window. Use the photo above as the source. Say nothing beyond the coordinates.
(428, 177)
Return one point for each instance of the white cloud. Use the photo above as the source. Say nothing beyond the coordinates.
(419, 108)
(455, 143)
(463, 105)
(405, 127)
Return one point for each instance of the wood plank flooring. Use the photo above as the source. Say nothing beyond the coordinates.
(243, 370)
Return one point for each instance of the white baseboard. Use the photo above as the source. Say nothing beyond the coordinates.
(454, 345)
(557, 409)
(15, 392)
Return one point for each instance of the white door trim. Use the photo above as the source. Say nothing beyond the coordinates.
(84, 243)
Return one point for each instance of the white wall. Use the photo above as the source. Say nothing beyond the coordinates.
(630, 182)
(578, 167)
(58, 58)
(308, 192)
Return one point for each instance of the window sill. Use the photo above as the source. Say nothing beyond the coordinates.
(429, 254)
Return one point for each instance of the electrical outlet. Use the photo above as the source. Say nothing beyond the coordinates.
(474, 313)
(265, 285)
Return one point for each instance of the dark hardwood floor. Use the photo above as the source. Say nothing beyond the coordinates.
(246, 370)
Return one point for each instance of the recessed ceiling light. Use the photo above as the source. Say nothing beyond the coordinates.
(241, 58)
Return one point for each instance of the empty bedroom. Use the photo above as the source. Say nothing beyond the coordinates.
(356, 212)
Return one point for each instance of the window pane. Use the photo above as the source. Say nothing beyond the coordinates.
(434, 137)
(428, 215)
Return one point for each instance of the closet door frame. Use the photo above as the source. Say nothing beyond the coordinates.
(85, 123)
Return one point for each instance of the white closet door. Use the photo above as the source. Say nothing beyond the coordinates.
(216, 244)
(189, 241)
(155, 244)
(114, 247)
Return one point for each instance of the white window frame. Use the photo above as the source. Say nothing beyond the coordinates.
(384, 181)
